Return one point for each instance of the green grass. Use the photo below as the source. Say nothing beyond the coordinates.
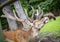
(52, 27)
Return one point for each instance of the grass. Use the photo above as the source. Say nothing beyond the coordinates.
(52, 27)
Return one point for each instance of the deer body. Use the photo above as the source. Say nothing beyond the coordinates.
(18, 35)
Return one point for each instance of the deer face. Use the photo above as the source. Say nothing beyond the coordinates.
(39, 24)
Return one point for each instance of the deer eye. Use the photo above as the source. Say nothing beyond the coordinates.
(46, 20)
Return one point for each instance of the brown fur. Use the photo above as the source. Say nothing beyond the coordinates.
(18, 35)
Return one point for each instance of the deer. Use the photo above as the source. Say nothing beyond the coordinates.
(36, 24)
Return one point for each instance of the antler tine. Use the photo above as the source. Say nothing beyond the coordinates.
(27, 15)
(32, 17)
(37, 12)
(26, 12)
(18, 19)
(33, 11)
(40, 12)
(7, 15)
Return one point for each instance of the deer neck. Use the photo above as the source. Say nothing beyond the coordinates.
(35, 31)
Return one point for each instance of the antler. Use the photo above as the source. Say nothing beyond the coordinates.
(6, 2)
(33, 12)
(18, 19)
(7, 15)
(24, 21)
(32, 17)
(40, 13)
(27, 15)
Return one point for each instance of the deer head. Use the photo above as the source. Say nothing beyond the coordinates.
(45, 19)
(39, 23)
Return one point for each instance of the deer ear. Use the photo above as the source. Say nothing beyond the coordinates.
(54, 17)
(50, 15)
